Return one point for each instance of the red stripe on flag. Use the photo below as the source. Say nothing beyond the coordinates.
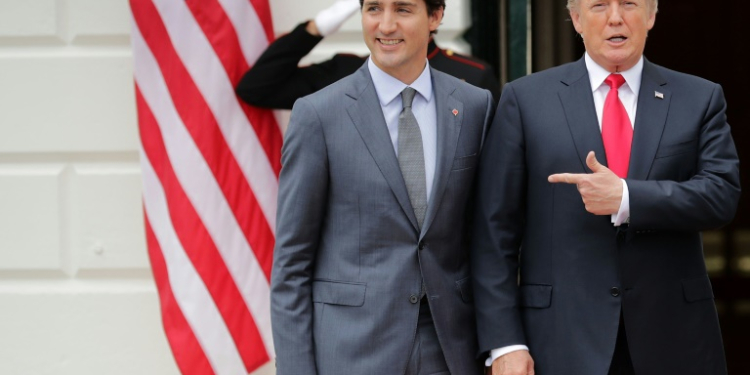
(190, 358)
(222, 35)
(200, 122)
(223, 38)
(263, 10)
(199, 246)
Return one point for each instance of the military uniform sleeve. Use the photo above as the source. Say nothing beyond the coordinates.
(277, 81)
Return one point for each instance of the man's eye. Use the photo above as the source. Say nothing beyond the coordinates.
(372, 8)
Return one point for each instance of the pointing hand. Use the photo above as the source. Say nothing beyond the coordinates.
(601, 190)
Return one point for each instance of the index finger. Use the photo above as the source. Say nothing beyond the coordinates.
(565, 178)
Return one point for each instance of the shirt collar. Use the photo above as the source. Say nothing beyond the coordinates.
(597, 74)
(388, 87)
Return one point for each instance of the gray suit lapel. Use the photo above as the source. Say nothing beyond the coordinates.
(578, 103)
(650, 119)
(448, 130)
(368, 118)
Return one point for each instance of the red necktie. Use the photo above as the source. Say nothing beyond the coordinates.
(617, 133)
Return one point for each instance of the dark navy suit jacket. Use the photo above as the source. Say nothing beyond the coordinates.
(577, 271)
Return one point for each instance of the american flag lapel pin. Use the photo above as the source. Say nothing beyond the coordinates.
(658, 95)
(455, 112)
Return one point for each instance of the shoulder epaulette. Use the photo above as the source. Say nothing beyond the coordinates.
(464, 60)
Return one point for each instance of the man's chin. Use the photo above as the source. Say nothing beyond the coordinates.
(620, 59)
(387, 63)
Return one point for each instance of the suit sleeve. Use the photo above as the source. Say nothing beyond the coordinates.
(276, 80)
(488, 116)
(709, 199)
(303, 187)
(498, 229)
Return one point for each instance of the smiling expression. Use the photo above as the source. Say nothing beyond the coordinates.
(397, 33)
(614, 31)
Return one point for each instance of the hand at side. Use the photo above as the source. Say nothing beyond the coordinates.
(514, 363)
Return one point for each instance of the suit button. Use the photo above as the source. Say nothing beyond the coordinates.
(421, 245)
(413, 299)
(615, 291)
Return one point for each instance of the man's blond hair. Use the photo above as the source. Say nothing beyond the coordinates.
(573, 5)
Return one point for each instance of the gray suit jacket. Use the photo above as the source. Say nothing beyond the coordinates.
(349, 260)
(578, 272)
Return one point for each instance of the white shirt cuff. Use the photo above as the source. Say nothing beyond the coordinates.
(623, 214)
(497, 353)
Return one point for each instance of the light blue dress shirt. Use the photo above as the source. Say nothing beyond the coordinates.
(389, 90)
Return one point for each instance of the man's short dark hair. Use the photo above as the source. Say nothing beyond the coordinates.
(432, 5)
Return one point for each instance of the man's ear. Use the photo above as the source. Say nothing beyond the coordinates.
(651, 21)
(576, 18)
(436, 18)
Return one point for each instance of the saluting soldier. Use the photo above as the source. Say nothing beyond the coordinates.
(276, 80)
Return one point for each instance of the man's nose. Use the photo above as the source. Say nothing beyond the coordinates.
(615, 14)
(387, 24)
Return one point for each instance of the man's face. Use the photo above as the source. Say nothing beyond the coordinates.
(397, 33)
(614, 31)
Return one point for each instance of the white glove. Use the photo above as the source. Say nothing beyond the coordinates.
(330, 19)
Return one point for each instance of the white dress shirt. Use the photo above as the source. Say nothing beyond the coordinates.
(628, 94)
(389, 90)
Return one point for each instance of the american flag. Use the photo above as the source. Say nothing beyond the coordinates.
(210, 169)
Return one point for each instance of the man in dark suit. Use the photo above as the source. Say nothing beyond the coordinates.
(595, 182)
(371, 268)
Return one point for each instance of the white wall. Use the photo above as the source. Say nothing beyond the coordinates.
(76, 292)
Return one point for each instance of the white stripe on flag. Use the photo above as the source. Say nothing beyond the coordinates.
(201, 187)
(248, 27)
(187, 286)
(209, 75)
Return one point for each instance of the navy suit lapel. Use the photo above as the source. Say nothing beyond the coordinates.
(650, 119)
(448, 130)
(368, 118)
(578, 103)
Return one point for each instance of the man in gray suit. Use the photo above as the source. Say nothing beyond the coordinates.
(371, 269)
(596, 180)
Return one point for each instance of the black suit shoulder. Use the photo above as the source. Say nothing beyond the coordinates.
(571, 72)
(554, 74)
(680, 80)
(533, 87)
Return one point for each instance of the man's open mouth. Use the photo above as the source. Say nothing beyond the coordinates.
(390, 42)
(618, 38)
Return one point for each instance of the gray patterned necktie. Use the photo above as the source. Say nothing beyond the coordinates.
(411, 156)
